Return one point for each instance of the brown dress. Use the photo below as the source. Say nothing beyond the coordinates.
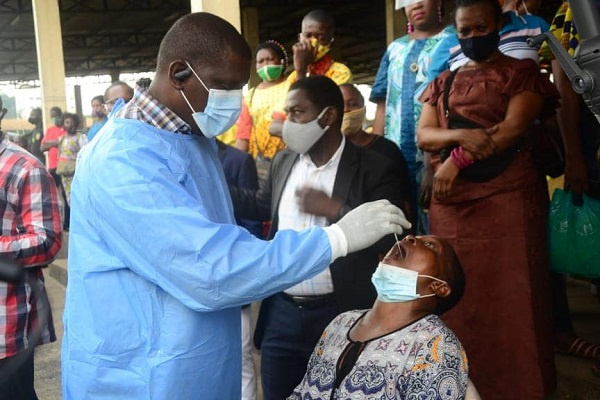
(498, 229)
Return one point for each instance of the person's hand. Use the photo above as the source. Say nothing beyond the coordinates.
(426, 188)
(317, 202)
(304, 55)
(369, 222)
(444, 179)
(276, 128)
(478, 142)
(576, 177)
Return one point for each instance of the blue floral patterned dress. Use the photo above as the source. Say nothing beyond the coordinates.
(400, 79)
(423, 360)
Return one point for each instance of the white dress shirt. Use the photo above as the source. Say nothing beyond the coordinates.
(306, 173)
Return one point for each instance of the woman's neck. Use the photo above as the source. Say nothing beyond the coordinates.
(426, 32)
(493, 59)
(268, 84)
(385, 318)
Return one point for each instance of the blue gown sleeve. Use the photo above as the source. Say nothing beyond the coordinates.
(379, 89)
(152, 225)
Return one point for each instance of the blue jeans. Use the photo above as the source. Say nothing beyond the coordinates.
(289, 337)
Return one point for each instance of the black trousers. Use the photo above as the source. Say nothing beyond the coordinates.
(16, 377)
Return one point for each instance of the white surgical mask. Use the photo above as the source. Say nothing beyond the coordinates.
(222, 109)
(397, 285)
(302, 137)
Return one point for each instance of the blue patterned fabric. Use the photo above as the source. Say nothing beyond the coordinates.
(401, 75)
(424, 360)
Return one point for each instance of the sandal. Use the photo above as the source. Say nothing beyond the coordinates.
(581, 348)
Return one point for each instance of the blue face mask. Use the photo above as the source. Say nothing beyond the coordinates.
(397, 285)
(222, 109)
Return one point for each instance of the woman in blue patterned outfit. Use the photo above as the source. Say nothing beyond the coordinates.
(401, 77)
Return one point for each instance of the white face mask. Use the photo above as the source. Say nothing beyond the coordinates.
(397, 285)
(302, 137)
(222, 109)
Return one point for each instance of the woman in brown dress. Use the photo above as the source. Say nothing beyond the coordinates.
(490, 202)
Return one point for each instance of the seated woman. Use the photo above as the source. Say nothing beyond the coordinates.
(399, 348)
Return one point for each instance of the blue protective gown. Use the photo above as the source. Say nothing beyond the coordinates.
(158, 270)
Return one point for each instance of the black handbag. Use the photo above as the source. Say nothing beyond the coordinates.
(547, 149)
(481, 170)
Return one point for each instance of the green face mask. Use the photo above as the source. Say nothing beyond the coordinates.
(270, 72)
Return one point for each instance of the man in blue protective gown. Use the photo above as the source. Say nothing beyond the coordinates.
(158, 269)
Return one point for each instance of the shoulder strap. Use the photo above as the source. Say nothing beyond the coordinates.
(447, 91)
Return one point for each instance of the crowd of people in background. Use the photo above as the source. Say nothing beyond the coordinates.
(450, 146)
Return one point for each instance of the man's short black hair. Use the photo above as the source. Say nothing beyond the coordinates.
(99, 98)
(319, 15)
(455, 277)
(56, 110)
(116, 84)
(322, 92)
(202, 39)
(353, 87)
(36, 110)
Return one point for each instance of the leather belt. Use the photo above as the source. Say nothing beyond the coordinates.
(310, 302)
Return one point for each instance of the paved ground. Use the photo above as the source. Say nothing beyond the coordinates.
(576, 382)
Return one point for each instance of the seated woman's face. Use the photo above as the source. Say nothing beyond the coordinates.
(424, 254)
(476, 20)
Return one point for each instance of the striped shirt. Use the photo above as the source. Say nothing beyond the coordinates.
(30, 233)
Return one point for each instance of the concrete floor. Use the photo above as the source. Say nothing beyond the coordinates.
(576, 381)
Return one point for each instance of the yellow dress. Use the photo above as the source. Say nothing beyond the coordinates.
(261, 103)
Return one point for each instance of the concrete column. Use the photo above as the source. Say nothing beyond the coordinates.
(226, 9)
(51, 65)
(250, 32)
(395, 22)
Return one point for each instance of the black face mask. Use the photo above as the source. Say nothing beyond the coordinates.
(480, 48)
(33, 121)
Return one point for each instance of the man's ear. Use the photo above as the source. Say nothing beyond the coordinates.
(331, 115)
(441, 289)
(179, 73)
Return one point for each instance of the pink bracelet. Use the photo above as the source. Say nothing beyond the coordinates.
(459, 158)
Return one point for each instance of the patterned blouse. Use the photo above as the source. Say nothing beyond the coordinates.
(423, 360)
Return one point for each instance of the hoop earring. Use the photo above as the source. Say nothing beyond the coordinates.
(409, 28)
(440, 19)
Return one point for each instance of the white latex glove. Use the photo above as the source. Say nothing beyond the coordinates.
(369, 222)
